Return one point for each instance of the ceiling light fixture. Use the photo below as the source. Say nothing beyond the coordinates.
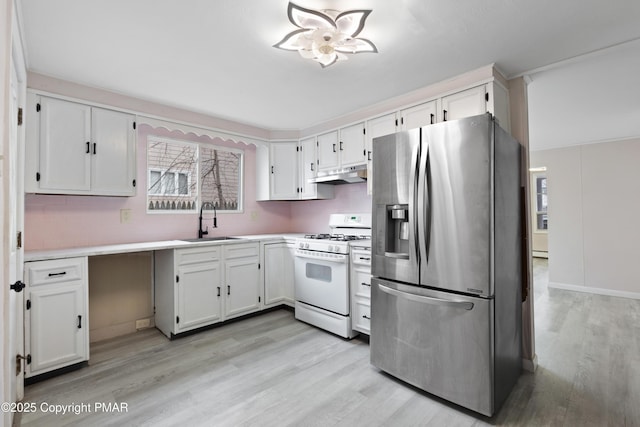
(326, 36)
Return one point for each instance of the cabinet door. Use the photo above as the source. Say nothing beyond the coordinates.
(284, 171)
(278, 273)
(307, 167)
(379, 126)
(242, 286)
(418, 116)
(58, 326)
(352, 146)
(198, 295)
(113, 148)
(467, 103)
(65, 134)
(328, 151)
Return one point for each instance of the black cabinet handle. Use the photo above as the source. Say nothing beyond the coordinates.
(271, 169)
(88, 147)
(364, 316)
(366, 284)
(433, 117)
(94, 148)
(62, 273)
(369, 155)
(79, 322)
(445, 115)
(218, 290)
(311, 166)
(228, 290)
(365, 258)
(334, 148)
(340, 145)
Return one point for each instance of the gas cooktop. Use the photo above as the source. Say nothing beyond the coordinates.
(336, 237)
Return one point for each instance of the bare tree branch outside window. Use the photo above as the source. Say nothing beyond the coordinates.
(174, 182)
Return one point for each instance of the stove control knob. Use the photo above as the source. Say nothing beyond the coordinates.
(306, 246)
(301, 245)
(330, 248)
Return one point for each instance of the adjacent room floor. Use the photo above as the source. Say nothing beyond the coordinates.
(271, 370)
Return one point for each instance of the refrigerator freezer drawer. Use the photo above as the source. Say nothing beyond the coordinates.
(437, 341)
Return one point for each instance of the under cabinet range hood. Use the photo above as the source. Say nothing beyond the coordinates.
(351, 175)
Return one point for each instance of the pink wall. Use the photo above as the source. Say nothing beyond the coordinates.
(53, 221)
(313, 216)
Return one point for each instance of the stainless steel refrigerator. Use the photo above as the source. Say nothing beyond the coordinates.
(446, 292)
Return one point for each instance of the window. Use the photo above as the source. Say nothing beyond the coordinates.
(541, 202)
(182, 175)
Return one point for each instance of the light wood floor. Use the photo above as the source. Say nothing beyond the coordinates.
(271, 370)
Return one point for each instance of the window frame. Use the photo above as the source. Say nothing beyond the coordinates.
(198, 188)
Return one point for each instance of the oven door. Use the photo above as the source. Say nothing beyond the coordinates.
(322, 280)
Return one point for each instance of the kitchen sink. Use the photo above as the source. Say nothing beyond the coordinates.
(211, 239)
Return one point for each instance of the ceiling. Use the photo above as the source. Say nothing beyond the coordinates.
(216, 57)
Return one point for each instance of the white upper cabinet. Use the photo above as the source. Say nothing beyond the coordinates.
(328, 146)
(379, 126)
(352, 146)
(284, 171)
(419, 115)
(466, 103)
(75, 148)
(342, 148)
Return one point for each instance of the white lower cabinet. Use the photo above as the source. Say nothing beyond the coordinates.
(56, 320)
(242, 279)
(361, 290)
(278, 273)
(197, 287)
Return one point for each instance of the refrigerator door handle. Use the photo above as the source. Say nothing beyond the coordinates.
(424, 204)
(415, 176)
(427, 300)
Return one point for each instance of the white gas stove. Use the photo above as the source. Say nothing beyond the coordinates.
(322, 272)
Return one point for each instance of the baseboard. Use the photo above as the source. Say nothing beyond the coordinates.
(597, 291)
(530, 365)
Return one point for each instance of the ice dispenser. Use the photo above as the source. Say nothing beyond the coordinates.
(397, 227)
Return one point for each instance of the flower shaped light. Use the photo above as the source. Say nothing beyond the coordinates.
(327, 36)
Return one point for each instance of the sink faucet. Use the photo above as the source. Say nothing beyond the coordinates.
(201, 232)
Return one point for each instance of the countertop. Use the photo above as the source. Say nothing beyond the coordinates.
(147, 246)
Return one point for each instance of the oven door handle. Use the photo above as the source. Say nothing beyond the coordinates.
(341, 260)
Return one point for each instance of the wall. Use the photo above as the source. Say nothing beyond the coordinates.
(594, 200)
(53, 221)
(312, 216)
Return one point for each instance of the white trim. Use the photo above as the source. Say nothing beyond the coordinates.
(540, 254)
(580, 144)
(596, 291)
(530, 365)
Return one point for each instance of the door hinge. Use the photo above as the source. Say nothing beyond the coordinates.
(177, 278)
(19, 240)
(18, 286)
(19, 359)
(20, 116)
(38, 176)
(177, 319)
(28, 304)
(38, 107)
(486, 96)
(134, 125)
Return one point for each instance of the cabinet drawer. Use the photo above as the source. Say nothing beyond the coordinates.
(241, 251)
(196, 255)
(55, 271)
(361, 283)
(362, 317)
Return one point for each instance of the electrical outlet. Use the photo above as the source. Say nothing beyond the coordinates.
(143, 323)
(125, 216)
(254, 215)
